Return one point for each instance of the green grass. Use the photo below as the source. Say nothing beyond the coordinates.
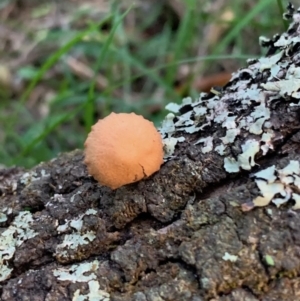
(141, 65)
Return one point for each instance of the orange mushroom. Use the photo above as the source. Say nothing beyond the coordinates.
(122, 149)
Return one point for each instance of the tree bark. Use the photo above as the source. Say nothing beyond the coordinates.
(193, 231)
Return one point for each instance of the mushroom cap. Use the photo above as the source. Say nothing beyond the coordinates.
(123, 148)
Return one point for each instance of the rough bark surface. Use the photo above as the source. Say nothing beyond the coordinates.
(182, 234)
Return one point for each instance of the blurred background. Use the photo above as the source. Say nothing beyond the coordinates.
(65, 64)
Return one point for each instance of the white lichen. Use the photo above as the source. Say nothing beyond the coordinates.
(287, 87)
(31, 176)
(268, 191)
(74, 241)
(83, 272)
(220, 149)
(250, 102)
(95, 293)
(76, 223)
(231, 165)
(229, 257)
(208, 144)
(246, 159)
(3, 217)
(18, 232)
(77, 238)
(269, 62)
(267, 174)
(169, 145)
(28, 177)
(231, 134)
(278, 185)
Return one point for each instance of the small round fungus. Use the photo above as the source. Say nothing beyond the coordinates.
(122, 149)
